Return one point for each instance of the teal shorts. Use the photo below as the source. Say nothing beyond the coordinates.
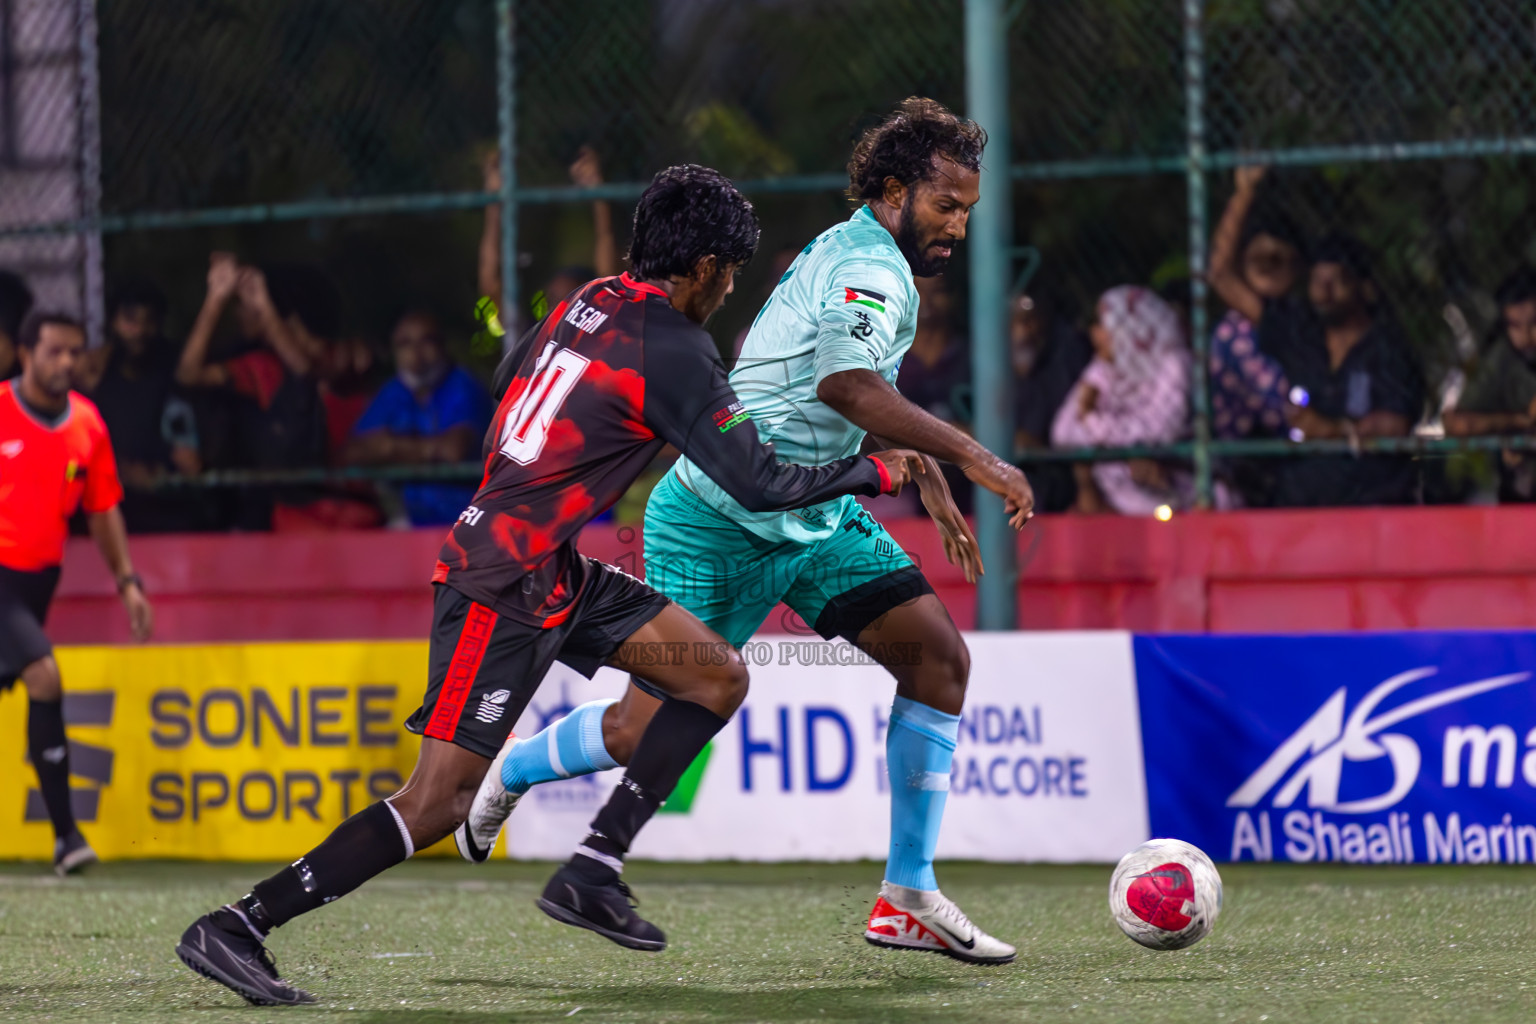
(731, 578)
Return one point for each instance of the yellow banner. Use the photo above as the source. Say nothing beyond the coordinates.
(218, 752)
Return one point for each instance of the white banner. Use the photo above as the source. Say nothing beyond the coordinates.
(1048, 768)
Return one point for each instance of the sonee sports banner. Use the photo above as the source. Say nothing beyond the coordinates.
(219, 752)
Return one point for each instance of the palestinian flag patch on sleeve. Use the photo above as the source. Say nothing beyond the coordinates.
(864, 297)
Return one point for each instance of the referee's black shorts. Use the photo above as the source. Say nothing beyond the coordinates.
(483, 667)
(24, 600)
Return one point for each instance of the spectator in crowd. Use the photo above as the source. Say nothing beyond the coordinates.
(153, 428)
(286, 314)
(586, 172)
(1047, 353)
(431, 411)
(1264, 248)
(348, 381)
(15, 304)
(1501, 398)
(1135, 391)
(1349, 367)
(935, 375)
(346, 378)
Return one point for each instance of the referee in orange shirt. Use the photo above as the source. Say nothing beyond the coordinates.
(55, 457)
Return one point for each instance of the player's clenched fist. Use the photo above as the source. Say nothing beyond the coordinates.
(901, 464)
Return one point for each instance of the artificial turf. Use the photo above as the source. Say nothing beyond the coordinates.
(444, 941)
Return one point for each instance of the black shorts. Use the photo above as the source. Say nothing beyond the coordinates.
(24, 600)
(483, 668)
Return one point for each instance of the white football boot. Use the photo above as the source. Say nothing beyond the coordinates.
(493, 803)
(930, 922)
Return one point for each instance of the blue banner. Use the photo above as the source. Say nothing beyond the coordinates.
(1366, 748)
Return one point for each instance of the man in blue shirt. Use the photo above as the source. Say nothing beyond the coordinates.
(431, 411)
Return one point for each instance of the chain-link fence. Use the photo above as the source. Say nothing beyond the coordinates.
(139, 136)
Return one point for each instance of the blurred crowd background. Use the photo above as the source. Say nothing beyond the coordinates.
(279, 220)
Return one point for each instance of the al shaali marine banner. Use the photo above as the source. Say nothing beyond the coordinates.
(1364, 748)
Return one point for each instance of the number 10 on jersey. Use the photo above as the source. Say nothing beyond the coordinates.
(528, 420)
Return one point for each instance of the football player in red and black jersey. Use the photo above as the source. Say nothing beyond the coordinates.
(55, 457)
(616, 371)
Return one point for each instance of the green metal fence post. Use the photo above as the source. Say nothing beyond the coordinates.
(1194, 99)
(506, 123)
(990, 233)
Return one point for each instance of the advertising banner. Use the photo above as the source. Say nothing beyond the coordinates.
(1048, 765)
(219, 752)
(1366, 748)
(256, 751)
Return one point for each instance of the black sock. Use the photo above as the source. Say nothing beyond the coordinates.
(676, 735)
(366, 844)
(49, 750)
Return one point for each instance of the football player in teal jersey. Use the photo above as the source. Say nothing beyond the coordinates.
(816, 377)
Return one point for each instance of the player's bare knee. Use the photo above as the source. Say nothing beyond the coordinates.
(42, 680)
(621, 734)
(954, 671)
(731, 685)
(939, 679)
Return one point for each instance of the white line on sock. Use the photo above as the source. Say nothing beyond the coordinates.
(405, 833)
(554, 751)
(601, 858)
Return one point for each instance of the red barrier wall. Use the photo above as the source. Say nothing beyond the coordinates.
(1273, 571)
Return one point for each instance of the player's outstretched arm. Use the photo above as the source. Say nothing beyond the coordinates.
(865, 399)
(690, 403)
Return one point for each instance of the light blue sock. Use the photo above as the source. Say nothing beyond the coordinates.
(572, 746)
(919, 747)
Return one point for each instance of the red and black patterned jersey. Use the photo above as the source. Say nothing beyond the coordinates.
(593, 393)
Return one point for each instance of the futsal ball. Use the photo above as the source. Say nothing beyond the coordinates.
(1165, 894)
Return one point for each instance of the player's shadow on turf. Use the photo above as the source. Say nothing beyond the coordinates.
(875, 1000)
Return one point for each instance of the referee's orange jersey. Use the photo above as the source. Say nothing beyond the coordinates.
(46, 473)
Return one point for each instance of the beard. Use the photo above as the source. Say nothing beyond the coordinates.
(923, 261)
(56, 387)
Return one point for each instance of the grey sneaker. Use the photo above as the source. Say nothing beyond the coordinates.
(72, 853)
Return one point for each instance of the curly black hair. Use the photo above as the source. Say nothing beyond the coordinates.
(905, 145)
(687, 213)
